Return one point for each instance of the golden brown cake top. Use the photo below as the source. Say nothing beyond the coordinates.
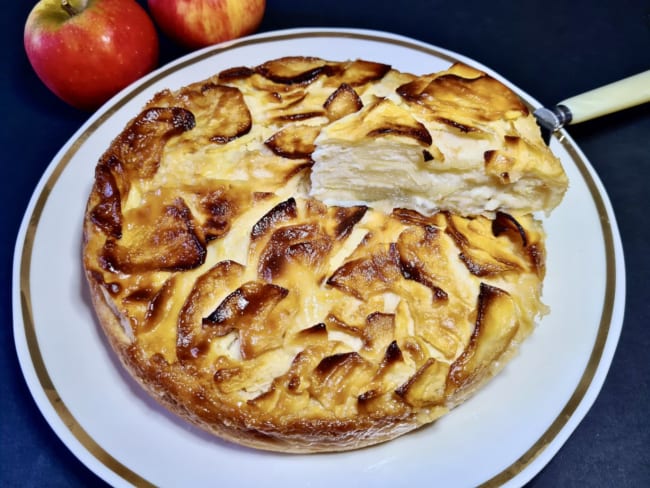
(271, 318)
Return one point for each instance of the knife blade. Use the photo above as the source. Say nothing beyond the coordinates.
(619, 95)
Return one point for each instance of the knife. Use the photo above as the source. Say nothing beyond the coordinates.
(607, 99)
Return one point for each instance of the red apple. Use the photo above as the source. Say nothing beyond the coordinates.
(200, 23)
(85, 51)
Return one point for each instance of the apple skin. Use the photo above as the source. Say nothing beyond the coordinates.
(199, 23)
(88, 57)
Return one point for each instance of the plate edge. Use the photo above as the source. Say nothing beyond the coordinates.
(41, 194)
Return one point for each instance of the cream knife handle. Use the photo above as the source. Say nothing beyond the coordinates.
(607, 99)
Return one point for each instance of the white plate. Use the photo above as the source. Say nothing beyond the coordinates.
(503, 435)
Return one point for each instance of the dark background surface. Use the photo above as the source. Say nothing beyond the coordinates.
(551, 50)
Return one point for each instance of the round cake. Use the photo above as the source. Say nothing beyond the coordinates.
(260, 276)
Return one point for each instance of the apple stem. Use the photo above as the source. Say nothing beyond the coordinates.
(71, 11)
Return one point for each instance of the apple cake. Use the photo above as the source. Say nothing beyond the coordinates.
(310, 255)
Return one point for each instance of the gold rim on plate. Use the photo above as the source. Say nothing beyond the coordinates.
(119, 469)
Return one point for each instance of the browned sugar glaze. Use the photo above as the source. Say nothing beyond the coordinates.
(270, 318)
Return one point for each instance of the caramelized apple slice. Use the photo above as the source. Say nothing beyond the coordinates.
(496, 325)
(302, 244)
(282, 212)
(427, 386)
(107, 212)
(290, 392)
(481, 253)
(247, 311)
(466, 92)
(421, 258)
(220, 206)
(236, 73)
(292, 70)
(387, 119)
(343, 101)
(504, 223)
(337, 379)
(294, 142)
(192, 338)
(360, 72)
(364, 277)
(139, 147)
(221, 110)
(161, 237)
(345, 218)
(506, 165)
(379, 332)
(316, 334)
